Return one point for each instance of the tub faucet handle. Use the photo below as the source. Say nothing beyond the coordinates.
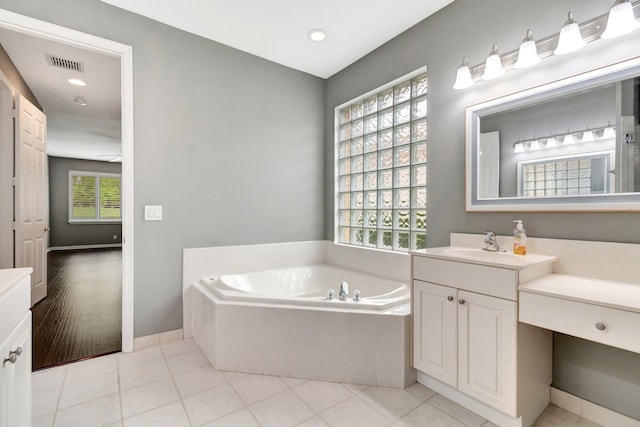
(330, 294)
(356, 295)
(344, 291)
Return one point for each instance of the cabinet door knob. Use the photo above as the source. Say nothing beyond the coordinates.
(13, 358)
(601, 326)
(449, 298)
(461, 301)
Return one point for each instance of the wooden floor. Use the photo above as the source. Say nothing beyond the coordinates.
(81, 315)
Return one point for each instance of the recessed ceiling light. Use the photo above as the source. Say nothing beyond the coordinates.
(317, 35)
(77, 82)
(81, 101)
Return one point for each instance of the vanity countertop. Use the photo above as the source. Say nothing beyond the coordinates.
(10, 276)
(623, 296)
(478, 256)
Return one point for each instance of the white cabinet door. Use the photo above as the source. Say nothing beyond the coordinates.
(487, 349)
(15, 376)
(435, 331)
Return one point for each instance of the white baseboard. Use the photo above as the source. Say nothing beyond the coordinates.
(76, 247)
(591, 411)
(155, 340)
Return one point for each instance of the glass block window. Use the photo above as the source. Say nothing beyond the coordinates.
(382, 167)
(569, 176)
(94, 197)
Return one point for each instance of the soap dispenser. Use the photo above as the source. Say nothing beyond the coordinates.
(519, 239)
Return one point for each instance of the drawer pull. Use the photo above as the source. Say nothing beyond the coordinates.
(449, 298)
(601, 326)
(461, 301)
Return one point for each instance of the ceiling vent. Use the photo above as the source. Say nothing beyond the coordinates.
(67, 64)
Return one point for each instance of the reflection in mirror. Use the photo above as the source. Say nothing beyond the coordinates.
(570, 145)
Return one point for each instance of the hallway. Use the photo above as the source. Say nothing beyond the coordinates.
(81, 315)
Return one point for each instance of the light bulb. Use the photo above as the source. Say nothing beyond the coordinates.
(551, 142)
(609, 132)
(621, 20)
(587, 136)
(463, 77)
(535, 145)
(570, 38)
(493, 65)
(528, 53)
(568, 139)
(518, 147)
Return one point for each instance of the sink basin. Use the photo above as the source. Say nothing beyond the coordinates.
(479, 256)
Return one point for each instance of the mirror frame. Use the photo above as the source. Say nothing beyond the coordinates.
(613, 202)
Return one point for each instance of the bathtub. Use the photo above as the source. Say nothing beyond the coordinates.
(308, 286)
(276, 320)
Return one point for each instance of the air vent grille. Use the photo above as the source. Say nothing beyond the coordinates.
(67, 64)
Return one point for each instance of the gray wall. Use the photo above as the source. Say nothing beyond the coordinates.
(62, 233)
(470, 27)
(595, 109)
(11, 72)
(230, 144)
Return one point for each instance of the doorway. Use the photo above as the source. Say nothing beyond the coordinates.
(44, 30)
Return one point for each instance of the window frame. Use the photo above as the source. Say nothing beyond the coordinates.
(97, 219)
(336, 174)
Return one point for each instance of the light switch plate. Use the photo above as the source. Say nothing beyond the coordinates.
(152, 213)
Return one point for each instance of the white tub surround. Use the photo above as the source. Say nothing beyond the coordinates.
(468, 344)
(242, 328)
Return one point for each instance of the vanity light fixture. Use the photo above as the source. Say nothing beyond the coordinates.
(493, 65)
(463, 77)
(570, 39)
(528, 52)
(568, 138)
(317, 35)
(621, 20)
(76, 82)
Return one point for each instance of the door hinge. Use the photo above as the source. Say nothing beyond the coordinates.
(13, 226)
(13, 181)
(14, 113)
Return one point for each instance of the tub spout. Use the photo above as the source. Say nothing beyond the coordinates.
(344, 291)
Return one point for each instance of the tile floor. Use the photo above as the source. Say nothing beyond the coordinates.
(174, 385)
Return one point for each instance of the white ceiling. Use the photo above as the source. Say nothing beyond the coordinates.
(277, 29)
(83, 132)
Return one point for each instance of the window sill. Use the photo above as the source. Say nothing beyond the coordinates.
(98, 221)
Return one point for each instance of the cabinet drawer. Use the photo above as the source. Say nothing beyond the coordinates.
(494, 281)
(579, 319)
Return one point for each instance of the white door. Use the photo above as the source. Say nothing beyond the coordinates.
(436, 331)
(31, 204)
(487, 349)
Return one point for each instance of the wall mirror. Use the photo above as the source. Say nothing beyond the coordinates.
(570, 145)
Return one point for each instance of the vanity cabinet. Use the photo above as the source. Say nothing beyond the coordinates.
(467, 338)
(15, 347)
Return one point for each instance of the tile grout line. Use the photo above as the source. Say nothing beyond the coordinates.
(180, 398)
(64, 380)
(119, 390)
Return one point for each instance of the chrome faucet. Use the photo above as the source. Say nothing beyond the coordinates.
(344, 291)
(491, 242)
